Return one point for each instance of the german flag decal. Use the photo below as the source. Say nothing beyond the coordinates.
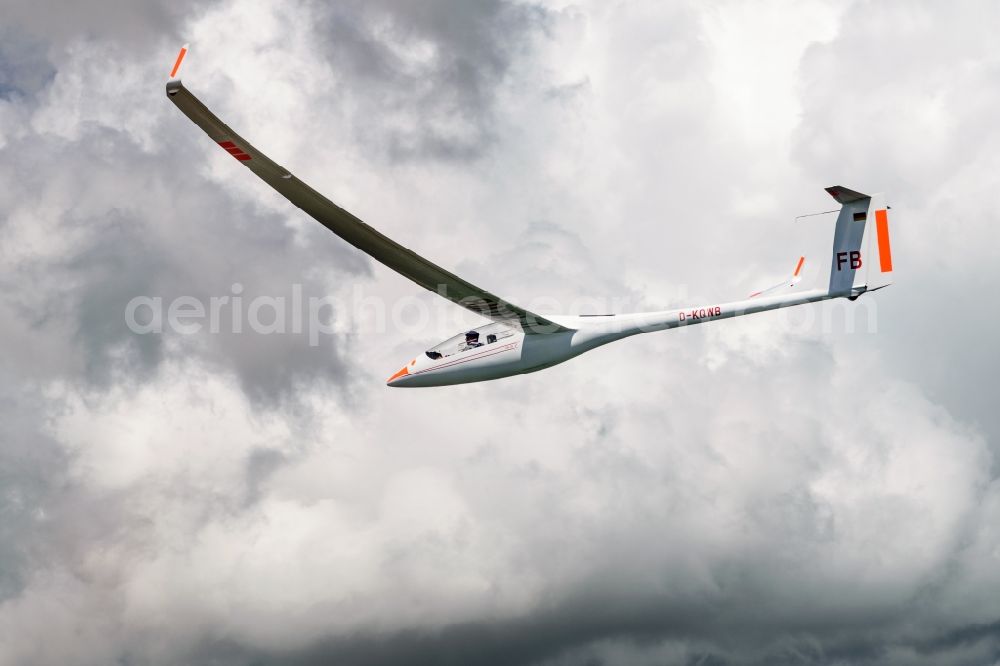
(234, 150)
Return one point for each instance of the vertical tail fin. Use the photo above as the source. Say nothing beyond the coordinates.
(862, 258)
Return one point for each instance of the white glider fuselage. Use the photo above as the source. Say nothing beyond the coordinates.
(519, 353)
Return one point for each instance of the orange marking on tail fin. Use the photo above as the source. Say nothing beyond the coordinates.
(177, 63)
(798, 266)
(882, 230)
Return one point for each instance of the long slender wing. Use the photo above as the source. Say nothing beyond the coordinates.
(350, 228)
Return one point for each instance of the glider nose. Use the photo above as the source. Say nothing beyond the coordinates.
(395, 379)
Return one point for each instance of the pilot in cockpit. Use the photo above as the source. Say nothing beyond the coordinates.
(472, 340)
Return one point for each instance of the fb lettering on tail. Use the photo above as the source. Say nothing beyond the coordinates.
(852, 258)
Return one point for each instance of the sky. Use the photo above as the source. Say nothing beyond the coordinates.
(818, 485)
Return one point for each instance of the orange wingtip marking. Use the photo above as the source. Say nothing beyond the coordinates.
(401, 373)
(177, 63)
(882, 231)
(798, 266)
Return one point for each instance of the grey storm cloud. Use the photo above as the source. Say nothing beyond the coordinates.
(55, 24)
(78, 300)
(780, 489)
(440, 103)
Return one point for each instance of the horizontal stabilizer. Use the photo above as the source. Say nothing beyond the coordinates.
(844, 195)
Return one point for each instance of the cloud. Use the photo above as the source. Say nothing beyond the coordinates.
(129, 24)
(428, 71)
(771, 490)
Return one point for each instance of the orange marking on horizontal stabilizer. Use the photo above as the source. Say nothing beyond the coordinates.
(799, 266)
(884, 251)
(177, 63)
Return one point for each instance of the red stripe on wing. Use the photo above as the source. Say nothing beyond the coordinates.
(234, 150)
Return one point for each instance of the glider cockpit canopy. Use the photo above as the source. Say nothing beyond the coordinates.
(477, 337)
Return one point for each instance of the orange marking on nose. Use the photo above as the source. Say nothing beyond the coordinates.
(177, 63)
(799, 266)
(884, 252)
(401, 373)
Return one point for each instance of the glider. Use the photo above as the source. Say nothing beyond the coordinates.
(517, 341)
